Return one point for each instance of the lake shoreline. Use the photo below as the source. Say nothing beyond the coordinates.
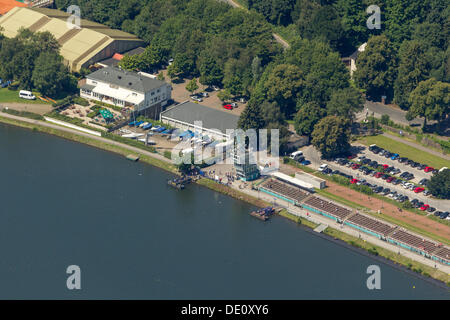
(168, 167)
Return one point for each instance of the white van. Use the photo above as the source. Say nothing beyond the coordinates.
(26, 95)
(296, 155)
(323, 167)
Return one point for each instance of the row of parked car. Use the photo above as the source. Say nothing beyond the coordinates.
(199, 96)
(375, 188)
(395, 156)
(385, 172)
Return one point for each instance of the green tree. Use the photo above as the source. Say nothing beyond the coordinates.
(50, 76)
(210, 71)
(331, 136)
(192, 85)
(307, 117)
(345, 102)
(431, 100)
(376, 67)
(131, 63)
(439, 184)
(251, 117)
(413, 68)
(224, 95)
(385, 119)
(284, 85)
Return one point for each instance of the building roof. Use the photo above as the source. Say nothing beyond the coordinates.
(7, 5)
(126, 79)
(211, 118)
(115, 59)
(78, 45)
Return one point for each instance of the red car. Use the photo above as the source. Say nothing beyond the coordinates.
(352, 156)
(385, 166)
(424, 207)
(418, 189)
(378, 174)
(390, 179)
(356, 166)
(428, 169)
(353, 181)
(228, 107)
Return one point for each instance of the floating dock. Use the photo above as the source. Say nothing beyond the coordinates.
(263, 214)
(132, 157)
(320, 228)
(179, 183)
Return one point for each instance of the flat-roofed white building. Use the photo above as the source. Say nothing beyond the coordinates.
(313, 180)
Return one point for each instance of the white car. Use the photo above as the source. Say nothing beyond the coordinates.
(323, 167)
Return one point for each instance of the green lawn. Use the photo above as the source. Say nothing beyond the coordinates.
(405, 150)
(13, 96)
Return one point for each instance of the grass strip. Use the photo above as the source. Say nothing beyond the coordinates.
(405, 150)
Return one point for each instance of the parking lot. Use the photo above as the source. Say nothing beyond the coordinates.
(440, 205)
(180, 94)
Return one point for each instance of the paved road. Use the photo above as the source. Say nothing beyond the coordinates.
(395, 114)
(277, 37)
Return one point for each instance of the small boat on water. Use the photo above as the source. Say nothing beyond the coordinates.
(263, 214)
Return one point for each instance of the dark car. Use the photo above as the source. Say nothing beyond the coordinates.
(444, 215)
(373, 164)
(386, 191)
(415, 164)
(423, 182)
(404, 174)
(431, 209)
(388, 154)
(402, 159)
(378, 189)
(438, 213)
(421, 166)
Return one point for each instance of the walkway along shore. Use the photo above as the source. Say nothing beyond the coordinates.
(236, 190)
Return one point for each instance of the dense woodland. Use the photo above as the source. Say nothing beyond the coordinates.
(408, 59)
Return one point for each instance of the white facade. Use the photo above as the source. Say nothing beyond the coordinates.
(124, 97)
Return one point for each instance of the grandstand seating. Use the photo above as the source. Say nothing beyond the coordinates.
(285, 189)
(413, 241)
(328, 207)
(370, 224)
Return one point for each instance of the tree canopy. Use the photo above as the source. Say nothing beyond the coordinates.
(439, 184)
(331, 136)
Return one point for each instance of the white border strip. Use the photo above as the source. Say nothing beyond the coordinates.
(72, 126)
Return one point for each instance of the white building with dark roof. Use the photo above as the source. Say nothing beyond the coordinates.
(127, 89)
